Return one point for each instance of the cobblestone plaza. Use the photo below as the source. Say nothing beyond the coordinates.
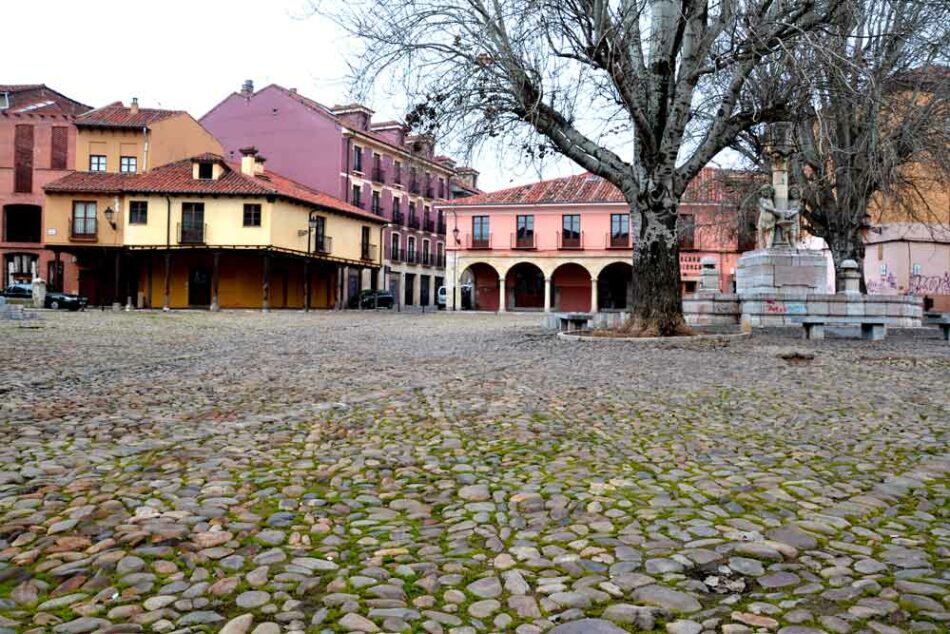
(242, 472)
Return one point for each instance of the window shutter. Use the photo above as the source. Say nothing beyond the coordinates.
(59, 147)
(23, 160)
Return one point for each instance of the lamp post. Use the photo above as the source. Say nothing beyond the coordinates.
(109, 213)
(311, 225)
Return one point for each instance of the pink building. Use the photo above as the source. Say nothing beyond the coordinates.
(37, 146)
(566, 244)
(375, 166)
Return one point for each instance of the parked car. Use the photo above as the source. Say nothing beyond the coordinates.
(442, 297)
(67, 301)
(372, 299)
(19, 290)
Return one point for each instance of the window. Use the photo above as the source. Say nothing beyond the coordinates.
(321, 241)
(138, 212)
(524, 236)
(394, 243)
(687, 231)
(357, 158)
(397, 172)
(410, 249)
(84, 219)
(440, 255)
(366, 249)
(192, 223)
(481, 236)
(397, 213)
(252, 215)
(357, 194)
(128, 165)
(441, 188)
(571, 231)
(205, 171)
(59, 147)
(23, 159)
(619, 230)
(425, 251)
(412, 211)
(375, 203)
(97, 163)
(378, 175)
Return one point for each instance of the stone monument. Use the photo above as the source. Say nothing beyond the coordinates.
(778, 266)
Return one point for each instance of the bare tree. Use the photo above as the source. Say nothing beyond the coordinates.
(643, 93)
(874, 135)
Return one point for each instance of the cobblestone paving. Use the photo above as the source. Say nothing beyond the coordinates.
(354, 472)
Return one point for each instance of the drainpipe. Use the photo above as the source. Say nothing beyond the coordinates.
(168, 255)
(349, 151)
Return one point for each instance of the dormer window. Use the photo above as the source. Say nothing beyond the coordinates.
(205, 171)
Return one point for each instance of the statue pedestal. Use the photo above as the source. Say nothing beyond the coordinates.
(781, 271)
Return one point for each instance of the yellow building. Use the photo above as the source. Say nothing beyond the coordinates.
(130, 140)
(203, 232)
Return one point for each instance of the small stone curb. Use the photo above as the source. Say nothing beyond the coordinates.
(568, 336)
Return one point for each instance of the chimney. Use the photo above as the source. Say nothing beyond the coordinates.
(134, 108)
(259, 165)
(247, 89)
(248, 160)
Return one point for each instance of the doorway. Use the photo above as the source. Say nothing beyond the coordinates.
(199, 287)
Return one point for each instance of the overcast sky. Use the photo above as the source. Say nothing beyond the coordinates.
(190, 54)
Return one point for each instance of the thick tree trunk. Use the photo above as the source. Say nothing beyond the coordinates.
(657, 302)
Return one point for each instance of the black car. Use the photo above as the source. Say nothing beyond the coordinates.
(19, 290)
(54, 299)
(68, 301)
(372, 299)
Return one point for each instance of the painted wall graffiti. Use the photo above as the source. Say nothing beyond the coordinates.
(883, 285)
(773, 307)
(930, 284)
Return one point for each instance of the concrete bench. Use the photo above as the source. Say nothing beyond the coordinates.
(943, 322)
(873, 329)
(569, 322)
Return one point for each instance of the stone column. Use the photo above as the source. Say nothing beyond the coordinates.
(116, 302)
(215, 267)
(345, 290)
(502, 291)
(456, 296)
(265, 286)
(593, 294)
(547, 294)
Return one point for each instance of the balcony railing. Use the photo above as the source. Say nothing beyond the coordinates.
(482, 241)
(523, 241)
(438, 261)
(399, 217)
(428, 225)
(376, 208)
(412, 257)
(414, 222)
(413, 187)
(192, 234)
(397, 178)
(570, 242)
(323, 245)
(379, 175)
(618, 241)
(394, 255)
(83, 229)
(426, 258)
(430, 193)
(367, 251)
(440, 229)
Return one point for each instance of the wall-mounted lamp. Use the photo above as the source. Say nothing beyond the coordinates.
(455, 235)
(109, 213)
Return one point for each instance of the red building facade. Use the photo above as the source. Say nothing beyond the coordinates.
(37, 146)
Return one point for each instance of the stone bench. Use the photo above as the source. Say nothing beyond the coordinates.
(569, 322)
(943, 322)
(874, 329)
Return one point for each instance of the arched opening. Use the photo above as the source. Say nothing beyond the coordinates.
(524, 287)
(571, 284)
(479, 287)
(22, 223)
(613, 286)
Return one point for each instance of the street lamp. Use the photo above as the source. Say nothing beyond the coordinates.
(312, 223)
(109, 213)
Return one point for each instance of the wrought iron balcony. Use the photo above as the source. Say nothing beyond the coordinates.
(192, 234)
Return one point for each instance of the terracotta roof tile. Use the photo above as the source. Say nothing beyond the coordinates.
(116, 115)
(39, 99)
(178, 178)
(708, 187)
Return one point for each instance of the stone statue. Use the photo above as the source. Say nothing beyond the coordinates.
(778, 227)
(768, 215)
